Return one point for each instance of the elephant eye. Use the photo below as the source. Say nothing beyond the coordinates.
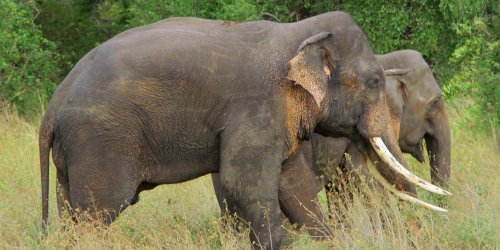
(373, 83)
(434, 104)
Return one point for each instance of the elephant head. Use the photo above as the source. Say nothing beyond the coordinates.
(347, 83)
(415, 97)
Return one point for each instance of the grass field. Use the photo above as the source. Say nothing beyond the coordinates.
(185, 216)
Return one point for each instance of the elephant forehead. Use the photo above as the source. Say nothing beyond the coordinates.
(349, 79)
(420, 101)
(367, 65)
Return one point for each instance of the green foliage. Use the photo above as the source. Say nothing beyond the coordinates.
(475, 62)
(80, 25)
(392, 25)
(239, 10)
(477, 59)
(143, 12)
(28, 63)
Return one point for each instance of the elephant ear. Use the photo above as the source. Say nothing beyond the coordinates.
(397, 75)
(311, 67)
(396, 72)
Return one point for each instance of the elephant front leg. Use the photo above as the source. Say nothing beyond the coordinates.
(218, 191)
(298, 189)
(339, 188)
(249, 173)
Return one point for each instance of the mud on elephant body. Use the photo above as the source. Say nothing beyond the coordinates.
(183, 97)
(417, 113)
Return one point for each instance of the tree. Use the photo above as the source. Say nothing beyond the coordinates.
(28, 61)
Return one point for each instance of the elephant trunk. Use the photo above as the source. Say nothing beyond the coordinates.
(404, 180)
(384, 148)
(439, 148)
(390, 142)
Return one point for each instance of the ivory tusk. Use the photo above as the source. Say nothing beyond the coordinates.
(379, 178)
(387, 157)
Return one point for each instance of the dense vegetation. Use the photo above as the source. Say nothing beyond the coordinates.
(40, 41)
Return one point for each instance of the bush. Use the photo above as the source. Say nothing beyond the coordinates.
(77, 26)
(477, 60)
(28, 63)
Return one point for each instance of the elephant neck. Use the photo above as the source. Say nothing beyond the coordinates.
(301, 116)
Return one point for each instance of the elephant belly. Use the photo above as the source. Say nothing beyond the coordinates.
(182, 164)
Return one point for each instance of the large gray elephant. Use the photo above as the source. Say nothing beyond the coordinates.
(183, 97)
(417, 113)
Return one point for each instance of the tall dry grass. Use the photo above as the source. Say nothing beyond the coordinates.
(185, 216)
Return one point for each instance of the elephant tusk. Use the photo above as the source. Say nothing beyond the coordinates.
(403, 196)
(387, 157)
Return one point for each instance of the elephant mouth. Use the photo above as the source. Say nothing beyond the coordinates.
(383, 152)
(416, 150)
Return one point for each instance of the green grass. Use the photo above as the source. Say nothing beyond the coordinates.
(185, 216)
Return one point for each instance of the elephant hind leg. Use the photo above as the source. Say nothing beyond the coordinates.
(102, 202)
(103, 181)
(63, 195)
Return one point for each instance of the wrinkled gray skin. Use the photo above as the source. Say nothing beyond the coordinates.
(417, 113)
(183, 97)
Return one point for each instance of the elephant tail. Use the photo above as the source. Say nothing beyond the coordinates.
(45, 139)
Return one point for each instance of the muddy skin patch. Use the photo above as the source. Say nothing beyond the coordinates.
(327, 71)
(396, 123)
(301, 115)
(308, 78)
(349, 80)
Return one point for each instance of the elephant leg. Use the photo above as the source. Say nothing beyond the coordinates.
(339, 196)
(298, 189)
(63, 195)
(103, 181)
(304, 211)
(339, 190)
(249, 172)
(226, 225)
(218, 191)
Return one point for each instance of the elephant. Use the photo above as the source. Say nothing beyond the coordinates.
(422, 111)
(417, 113)
(184, 97)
